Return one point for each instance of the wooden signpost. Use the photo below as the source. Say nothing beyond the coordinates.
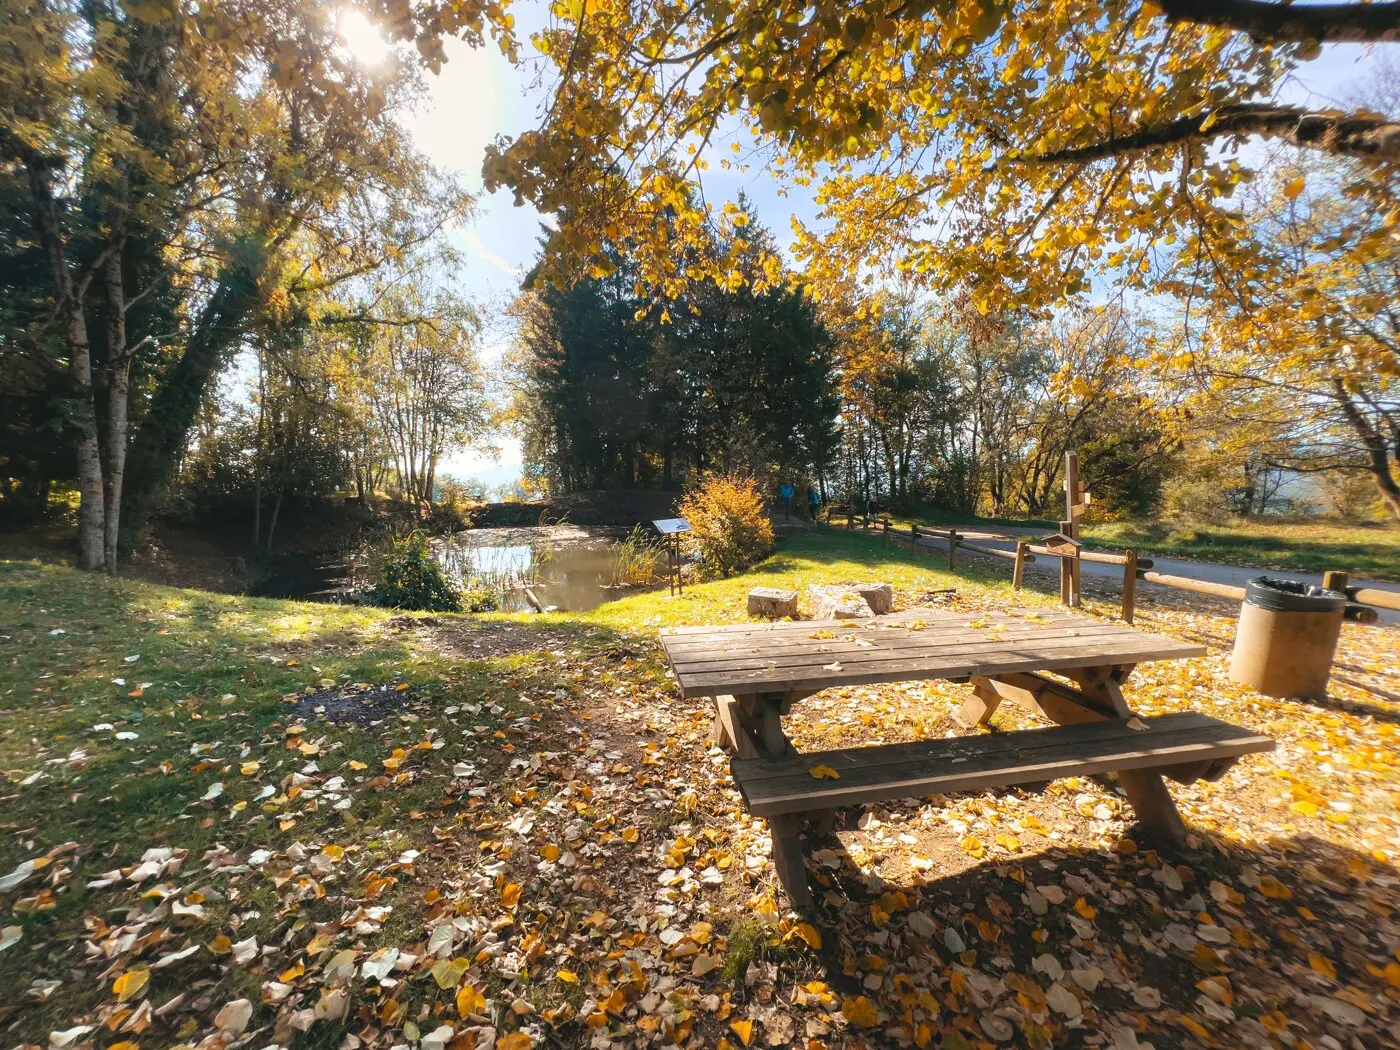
(670, 530)
(1076, 500)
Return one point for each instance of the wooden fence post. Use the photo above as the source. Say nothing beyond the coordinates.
(952, 547)
(1335, 580)
(913, 539)
(885, 529)
(850, 521)
(1129, 585)
(1019, 572)
(1066, 571)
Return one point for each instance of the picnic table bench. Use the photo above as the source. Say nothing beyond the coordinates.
(755, 673)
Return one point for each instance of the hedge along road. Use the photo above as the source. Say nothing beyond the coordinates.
(1233, 575)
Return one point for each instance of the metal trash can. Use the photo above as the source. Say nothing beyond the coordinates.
(1287, 634)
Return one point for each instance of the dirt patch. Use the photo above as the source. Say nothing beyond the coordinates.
(483, 640)
(354, 704)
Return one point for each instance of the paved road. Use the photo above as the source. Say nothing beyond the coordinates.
(1234, 575)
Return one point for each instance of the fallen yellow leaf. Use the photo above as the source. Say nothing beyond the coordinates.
(448, 972)
(470, 1000)
(743, 1029)
(824, 773)
(860, 1012)
(1322, 966)
(131, 984)
(805, 931)
(1272, 888)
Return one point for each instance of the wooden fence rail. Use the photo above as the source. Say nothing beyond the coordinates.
(1359, 606)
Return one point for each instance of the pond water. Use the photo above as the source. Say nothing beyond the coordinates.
(566, 567)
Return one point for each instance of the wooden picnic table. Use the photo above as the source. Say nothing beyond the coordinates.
(756, 672)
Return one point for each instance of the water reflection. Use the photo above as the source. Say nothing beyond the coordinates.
(566, 567)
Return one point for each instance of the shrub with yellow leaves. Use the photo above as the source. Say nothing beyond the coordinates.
(729, 526)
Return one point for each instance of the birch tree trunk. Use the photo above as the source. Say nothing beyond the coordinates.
(118, 399)
(82, 415)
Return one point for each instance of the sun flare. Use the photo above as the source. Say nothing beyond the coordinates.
(361, 37)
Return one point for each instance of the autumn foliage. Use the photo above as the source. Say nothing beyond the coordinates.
(730, 527)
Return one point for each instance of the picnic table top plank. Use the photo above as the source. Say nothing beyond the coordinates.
(903, 647)
(855, 632)
(894, 619)
(924, 662)
(867, 774)
(741, 659)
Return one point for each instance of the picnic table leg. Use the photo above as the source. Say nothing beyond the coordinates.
(977, 710)
(1147, 791)
(760, 718)
(731, 729)
(787, 858)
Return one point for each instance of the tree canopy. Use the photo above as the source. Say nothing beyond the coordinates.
(181, 176)
(1007, 148)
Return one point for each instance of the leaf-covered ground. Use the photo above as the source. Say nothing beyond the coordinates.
(232, 822)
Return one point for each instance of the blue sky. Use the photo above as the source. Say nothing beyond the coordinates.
(479, 95)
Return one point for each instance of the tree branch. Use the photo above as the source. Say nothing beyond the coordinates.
(1354, 134)
(1278, 23)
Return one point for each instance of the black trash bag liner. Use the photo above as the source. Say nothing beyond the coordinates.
(1276, 595)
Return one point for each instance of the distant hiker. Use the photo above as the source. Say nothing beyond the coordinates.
(814, 502)
(872, 508)
(786, 491)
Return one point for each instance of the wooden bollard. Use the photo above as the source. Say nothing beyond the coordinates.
(913, 539)
(952, 547)
(1019, 571)
(1129, 585)
(1335, 580)
(885, 529)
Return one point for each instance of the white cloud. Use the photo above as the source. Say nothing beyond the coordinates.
(490, 256)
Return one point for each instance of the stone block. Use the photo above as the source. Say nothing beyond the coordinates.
(837, 603)
(772, 602)
(879, 596)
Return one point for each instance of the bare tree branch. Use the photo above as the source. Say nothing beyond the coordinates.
(1347, 134)
(1276, 23)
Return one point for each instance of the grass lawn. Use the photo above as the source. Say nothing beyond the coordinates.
(1370, 551)
(233, 821)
